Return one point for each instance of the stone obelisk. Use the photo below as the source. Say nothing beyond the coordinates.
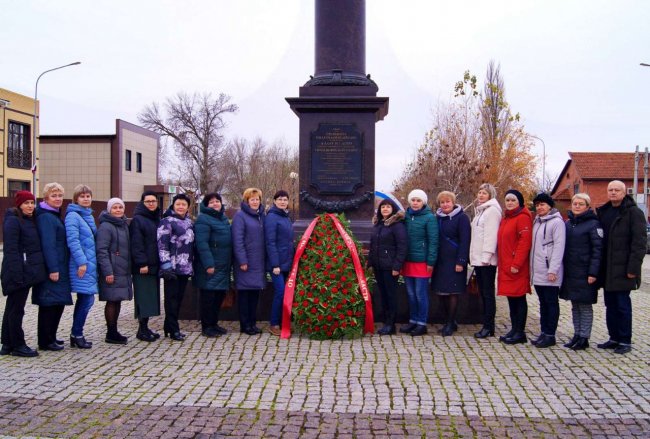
(338, 108)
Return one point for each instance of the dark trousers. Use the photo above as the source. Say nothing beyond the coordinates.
(174, 292)
(48, 323)
(549, 308)
(618, 315)
(518, 313)
(211, 301)
(485, 276)
(12, 320)
(387, 284)
(247, 304)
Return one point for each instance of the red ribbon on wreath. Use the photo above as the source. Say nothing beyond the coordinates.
(290, 287)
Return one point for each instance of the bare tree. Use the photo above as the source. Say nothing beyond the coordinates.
(194, 124)
(258, 164)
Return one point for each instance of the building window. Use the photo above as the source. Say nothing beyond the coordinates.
(19, 154)
(576, 188)
(127, 160)
(17, 185)
(138, 162)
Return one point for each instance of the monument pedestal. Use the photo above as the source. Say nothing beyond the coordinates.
(337, 152)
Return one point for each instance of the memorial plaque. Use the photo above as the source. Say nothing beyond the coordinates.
(336, 158)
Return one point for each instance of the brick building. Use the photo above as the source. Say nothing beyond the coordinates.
(590, 172)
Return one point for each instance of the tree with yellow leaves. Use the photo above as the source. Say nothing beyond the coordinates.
(474, 139)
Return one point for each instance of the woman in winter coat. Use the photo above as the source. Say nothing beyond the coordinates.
(388, 249)
(450, 276)
(22, 267)
(422, 231)
(582, 255)
(249, 251)
(143, 231)
(213, 263)
(513, 253)
(483, 253)
(546, 269)
(278, 233)
(80, 231)
(52, 295)
(176, 254)
(114, 260)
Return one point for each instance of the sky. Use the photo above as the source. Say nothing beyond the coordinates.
(571, 68)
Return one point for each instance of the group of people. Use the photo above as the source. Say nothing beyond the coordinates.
(120, 260)
(511, 250)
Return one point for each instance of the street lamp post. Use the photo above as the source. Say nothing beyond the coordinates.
(543, 158)
(34, 123)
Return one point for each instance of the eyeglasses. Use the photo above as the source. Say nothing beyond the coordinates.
(151, 201)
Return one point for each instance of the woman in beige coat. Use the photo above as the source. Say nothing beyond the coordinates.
(483, 252)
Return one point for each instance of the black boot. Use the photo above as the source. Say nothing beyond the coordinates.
(507, 335)
(547, 341)
(408, 328)
(449, 329)
(144, 333)
(419, 330)
(538, 339)
(571, 342)
(387, 330)
(484, 333)
(114, 337)
(581, 344)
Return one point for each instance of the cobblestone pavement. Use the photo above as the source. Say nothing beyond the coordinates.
(399, 386)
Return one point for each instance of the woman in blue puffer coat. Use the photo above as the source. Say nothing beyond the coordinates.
(213, 263)
(249, 252)
(278, 232)
(80, 231)
(54, 294)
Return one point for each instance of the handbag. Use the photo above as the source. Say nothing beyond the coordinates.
(472, 283)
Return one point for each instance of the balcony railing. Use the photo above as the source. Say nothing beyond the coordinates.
(19, 158)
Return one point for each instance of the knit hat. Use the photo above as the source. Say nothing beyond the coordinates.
(418, 193)
(517, 194)
(22, 196)
(544, 198)
(112, 202)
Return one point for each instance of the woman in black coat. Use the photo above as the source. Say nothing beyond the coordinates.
(22, 267)
(388, 249)
(114, 262)
(582, 256)
(144, 263)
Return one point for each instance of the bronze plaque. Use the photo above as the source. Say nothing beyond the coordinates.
(336, 158)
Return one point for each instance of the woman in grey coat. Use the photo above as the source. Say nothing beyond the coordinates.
(546, 269)
(114, 261)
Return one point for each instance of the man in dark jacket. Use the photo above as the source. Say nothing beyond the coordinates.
(624, 245)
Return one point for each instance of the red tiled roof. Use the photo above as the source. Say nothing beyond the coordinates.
(605, 165)
(564, 194)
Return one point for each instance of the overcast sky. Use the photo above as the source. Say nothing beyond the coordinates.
(571, 68)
